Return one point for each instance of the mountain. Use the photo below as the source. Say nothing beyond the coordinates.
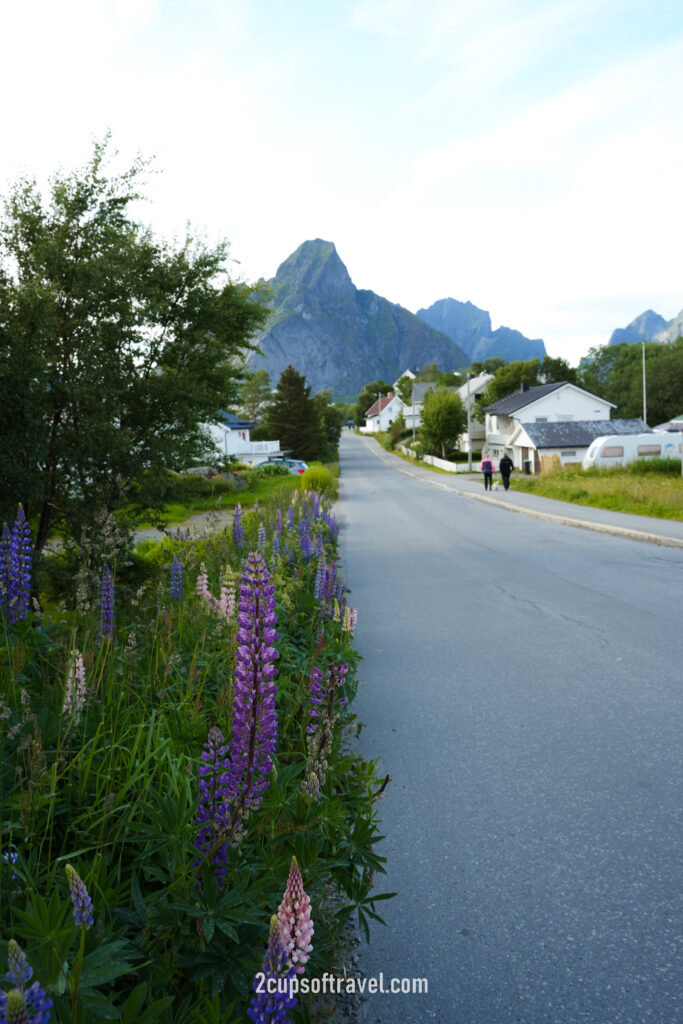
(649, 326)
(339, 336)
(470, 328)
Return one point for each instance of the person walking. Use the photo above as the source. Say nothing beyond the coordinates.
(488, 470)
(506, 466)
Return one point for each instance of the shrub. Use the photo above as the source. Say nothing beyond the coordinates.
(319, 478)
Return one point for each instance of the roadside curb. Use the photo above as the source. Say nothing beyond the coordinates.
(552, 517)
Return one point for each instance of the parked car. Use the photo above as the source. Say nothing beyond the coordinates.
(620, 449)
(293, 465)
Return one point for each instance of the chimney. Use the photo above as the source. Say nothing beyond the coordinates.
(525, 385)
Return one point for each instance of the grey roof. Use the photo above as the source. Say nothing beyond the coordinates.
(580, 433)
(421, 387)
(518, 399)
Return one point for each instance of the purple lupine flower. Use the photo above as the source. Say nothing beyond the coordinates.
(290, 517)
(305, 538)
(237, 528)
(294, 917)
(15, 568)
(106, 626)
(254, 719)
(270, 1007)
(176, 579)
(214, 809)
(276, 544)
(278, 520)
(320, 574)
(16, 1005)
(82, 904)
(261, 539)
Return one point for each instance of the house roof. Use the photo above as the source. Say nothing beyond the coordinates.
(233, 422)
(579, 433)
(518, 399)
(421, 387)
(379, 405)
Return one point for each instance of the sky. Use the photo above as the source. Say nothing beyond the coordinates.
(523, 155)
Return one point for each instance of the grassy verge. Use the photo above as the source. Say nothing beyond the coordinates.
(645, 488)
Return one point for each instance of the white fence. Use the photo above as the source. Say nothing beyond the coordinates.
(431, 460)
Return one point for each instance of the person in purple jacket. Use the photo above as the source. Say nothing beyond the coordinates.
(488, 470)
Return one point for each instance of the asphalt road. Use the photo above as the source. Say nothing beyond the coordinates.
(521, 683)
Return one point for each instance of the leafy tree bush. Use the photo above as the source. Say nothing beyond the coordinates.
(115, 347)
(293, 418)
(443, 421)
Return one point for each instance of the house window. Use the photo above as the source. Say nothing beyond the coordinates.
(568, 455)
(612, 451)
(649, 449)
(541, 419)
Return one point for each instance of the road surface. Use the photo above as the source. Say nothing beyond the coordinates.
(521, 682)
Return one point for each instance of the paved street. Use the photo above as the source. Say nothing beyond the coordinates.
(521, 682)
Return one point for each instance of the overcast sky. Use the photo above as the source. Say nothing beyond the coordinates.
(525, 155)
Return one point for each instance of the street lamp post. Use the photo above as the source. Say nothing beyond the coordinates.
(644, 388)
(469, 428)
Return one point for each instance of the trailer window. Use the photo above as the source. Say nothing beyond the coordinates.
(612, 451)
(649, 449)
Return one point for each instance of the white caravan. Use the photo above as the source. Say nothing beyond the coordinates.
(618, 449)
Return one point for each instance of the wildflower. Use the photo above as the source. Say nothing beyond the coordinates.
(261, 539)
(11, 857)
(276, 545)
(214, 808)
(75, 692)
(319, 578)
(305, 538)
(271, 1007)
(15, 568)
(106, 626)
(82, 904)
(237, 528)
(324, 703)
(278, 520)
(350, 619)
(22, 1005)
(294, 916)
(176, 579)
(254, 721)
(290, 517)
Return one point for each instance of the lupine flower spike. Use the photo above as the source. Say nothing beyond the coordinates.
(276, 972)
(22, 1005)
(214, 807)
(176, 579)
(237, 528)
(75, 692)
(106, 627)
(294, 916)
(82, 905)
(15, 568)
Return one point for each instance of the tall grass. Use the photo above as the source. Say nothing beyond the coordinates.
(649, 488)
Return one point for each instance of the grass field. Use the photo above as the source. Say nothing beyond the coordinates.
(646, 488)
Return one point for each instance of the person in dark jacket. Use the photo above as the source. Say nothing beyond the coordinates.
(506, 466)
(488, 470)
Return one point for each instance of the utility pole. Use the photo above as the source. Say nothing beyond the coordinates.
(644, 388)
(469, 427)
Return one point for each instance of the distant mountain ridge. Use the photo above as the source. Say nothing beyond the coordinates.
(649, 326)
(339, 336)
(470, 328)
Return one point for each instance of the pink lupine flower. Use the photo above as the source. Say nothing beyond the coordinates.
(294, 916)
(202, 585)
(75, 691)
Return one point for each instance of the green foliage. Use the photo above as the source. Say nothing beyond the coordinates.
(443, 420)
(320, 479)
(294, 419)
(254, 395)
(331, 418)
(113, 790)
(508, 378)
(615, 372)
(404, 388)
(115, 347)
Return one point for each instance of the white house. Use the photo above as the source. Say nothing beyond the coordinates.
(382, 414)
(566, 442)
(548, 403)
(231, 435)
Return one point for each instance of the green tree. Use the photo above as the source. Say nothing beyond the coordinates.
(293, 418)
(404, 388)
(255, 394)
(115, 347)
(331, 418)
(444, 418)
(491, 365)
(555, 370)
(615, 372)
(508, 378)
(368, 397)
